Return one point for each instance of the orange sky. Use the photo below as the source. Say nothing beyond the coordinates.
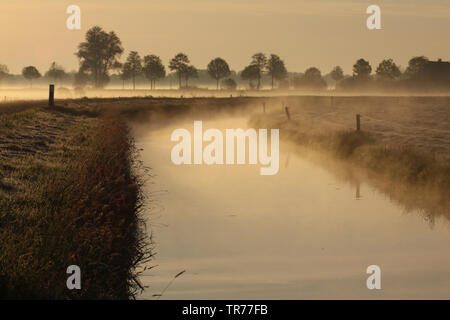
(305, 33)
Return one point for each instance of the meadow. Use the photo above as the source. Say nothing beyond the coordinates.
(71, 182)
(68, 196)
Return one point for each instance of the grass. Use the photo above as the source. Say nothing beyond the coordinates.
(77, 203)
(403, 163)
(425, 174)
(70, 193)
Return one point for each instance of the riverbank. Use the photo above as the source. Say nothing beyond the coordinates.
(68, 196)
(308, 232)
(70, 193)
(403, 142)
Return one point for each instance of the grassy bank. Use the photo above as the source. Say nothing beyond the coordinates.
(68, 196)
(402, 164)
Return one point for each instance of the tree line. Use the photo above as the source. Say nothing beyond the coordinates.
(99, 55)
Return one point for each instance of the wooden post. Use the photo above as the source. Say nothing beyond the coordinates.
(358, 122)
(287, 113)
(264, 107)
(51, 96)
(358, 190)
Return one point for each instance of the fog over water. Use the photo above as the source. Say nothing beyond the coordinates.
(301, 234)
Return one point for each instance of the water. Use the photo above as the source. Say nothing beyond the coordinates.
(301, 234)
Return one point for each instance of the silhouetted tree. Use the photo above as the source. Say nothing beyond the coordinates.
(153, 69)
(218, 69)
(179, 64)
(133, 66)
(124, 74)
(259, 61)
(387, 69)
(4, 72)
(31, 73)
(416, 67)
(56, 72)
(99, 54)
(337, 74)
(362, 69)
(250, 73)
(81, 79)
(229, 84)
(312, 79)
(276, 68)
(189, 72)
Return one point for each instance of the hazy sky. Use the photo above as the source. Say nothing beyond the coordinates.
(321, 33)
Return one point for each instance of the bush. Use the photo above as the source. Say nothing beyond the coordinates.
(229, 84)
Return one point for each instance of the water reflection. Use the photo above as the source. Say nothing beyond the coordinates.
(298, 234)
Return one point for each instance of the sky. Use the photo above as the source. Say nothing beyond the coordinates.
(304, 33)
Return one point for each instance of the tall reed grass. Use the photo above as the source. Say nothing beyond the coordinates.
(84, 211)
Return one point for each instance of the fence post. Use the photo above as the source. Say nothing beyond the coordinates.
(287, 113)
(51, 96)
(358, 190)
(358, 122)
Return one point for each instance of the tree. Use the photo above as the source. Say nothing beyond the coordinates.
(4, 72)
(259, 63)
(387, 69)
(124, 75)
(81, 79)
(179, 64)
(250, 73)
(153, 69)
(276, 68)
(133, 67)
(218, 69)
(31, 73)
(229, 84)
(311, 79)
(416, 66)
(362, 69)
(189, 72)
(337, 74)
(99, 54)
(56, 72)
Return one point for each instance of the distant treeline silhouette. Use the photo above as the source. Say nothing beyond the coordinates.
(99, 63)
